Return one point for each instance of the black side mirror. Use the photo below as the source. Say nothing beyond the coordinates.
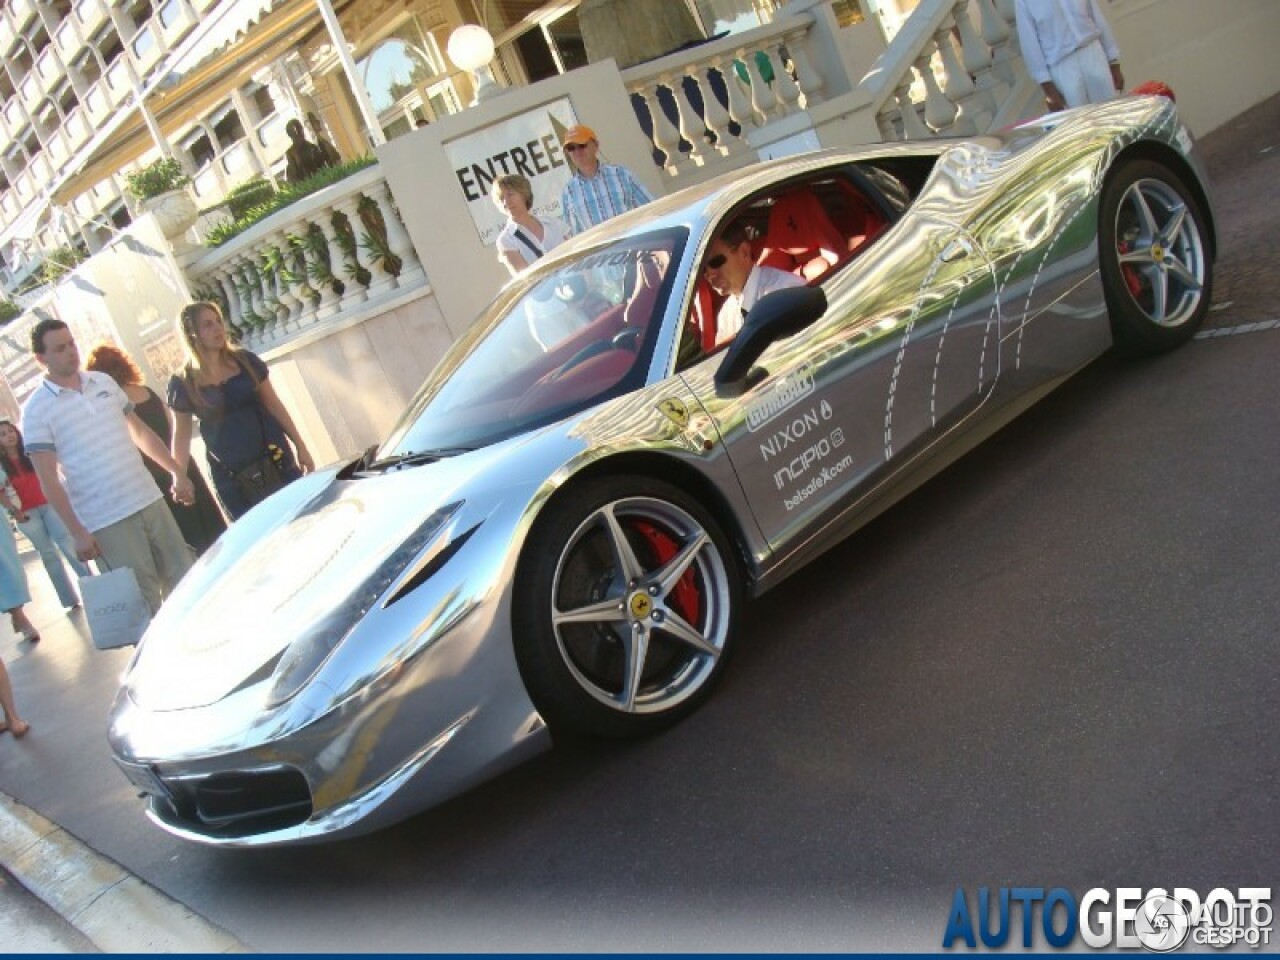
(775, 316)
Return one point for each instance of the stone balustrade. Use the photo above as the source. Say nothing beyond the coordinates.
(340, 251)
(947, 74)
(702, 103)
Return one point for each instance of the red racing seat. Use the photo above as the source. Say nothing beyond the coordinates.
(801, 238)
(704, 314)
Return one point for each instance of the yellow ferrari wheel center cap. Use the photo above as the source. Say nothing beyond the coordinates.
(641, 605)
(1157, 253)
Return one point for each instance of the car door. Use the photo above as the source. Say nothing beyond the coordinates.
(908, 347)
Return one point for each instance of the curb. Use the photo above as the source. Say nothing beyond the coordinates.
(116, 911)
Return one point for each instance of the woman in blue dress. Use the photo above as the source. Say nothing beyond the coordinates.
(14, 592)
(12, 722)
(242, 420)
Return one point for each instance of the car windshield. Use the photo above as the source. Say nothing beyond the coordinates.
(558, 340)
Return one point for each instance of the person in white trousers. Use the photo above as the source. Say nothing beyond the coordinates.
(1069, 50)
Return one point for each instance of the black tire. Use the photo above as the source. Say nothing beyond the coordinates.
(1156, 259)
(583, 607)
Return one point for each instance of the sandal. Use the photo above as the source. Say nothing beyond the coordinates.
(24, 628)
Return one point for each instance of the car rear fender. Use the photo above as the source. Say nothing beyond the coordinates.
(1186, 166)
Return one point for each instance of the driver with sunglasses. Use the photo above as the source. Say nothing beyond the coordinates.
(732, 272)
(597, 191)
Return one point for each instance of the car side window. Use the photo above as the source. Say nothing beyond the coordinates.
(808, 228)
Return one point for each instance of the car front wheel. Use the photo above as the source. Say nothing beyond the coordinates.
(626, 601)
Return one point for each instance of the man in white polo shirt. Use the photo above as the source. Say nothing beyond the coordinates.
(84, 438)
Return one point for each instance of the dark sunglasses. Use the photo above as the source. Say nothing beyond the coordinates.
(575, 147)
(716, 262)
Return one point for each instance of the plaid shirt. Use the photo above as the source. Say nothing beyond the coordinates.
(589, 201)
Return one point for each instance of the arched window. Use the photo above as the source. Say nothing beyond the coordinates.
(400, 64)
(394, 70)
(399, 73)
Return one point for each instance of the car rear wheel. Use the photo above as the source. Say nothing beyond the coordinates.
(626, 602)
(1155, 258)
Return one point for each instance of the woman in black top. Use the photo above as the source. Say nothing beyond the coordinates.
(242, 420)
(202, 522)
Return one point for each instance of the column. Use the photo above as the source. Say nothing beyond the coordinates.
(411, 272)
(242, 110)
(380, 278)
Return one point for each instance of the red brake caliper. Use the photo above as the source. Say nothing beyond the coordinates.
(685, 597)
(1130, 273)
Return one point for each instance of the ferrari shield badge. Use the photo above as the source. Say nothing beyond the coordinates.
(675, 411)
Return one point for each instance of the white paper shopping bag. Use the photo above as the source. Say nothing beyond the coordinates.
(115, 608)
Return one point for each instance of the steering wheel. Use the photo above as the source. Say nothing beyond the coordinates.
(593, 349)
(627, 339)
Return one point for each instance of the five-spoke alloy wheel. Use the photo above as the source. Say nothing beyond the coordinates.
(626, 600)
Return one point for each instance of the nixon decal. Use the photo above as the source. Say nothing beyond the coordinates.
(797, 428)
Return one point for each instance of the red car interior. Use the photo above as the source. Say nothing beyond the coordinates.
(806, 234)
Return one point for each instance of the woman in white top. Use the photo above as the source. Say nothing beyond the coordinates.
(525, 237)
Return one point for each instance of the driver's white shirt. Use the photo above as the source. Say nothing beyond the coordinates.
(760, 280)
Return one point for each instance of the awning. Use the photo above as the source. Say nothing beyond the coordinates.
(214, 60)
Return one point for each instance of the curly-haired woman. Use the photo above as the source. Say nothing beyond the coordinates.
(202, 522)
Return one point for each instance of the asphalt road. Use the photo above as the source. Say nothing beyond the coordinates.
(1055, 665)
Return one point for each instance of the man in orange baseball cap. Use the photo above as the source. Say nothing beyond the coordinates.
(579, 134)
(597, 191)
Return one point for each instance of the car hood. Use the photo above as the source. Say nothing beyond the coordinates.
(278, 571)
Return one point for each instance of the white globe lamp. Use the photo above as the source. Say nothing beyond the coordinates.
(471, 48)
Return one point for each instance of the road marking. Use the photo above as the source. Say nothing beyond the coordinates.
(1239, 328)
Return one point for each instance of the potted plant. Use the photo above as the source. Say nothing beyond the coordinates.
(161, 188)
(59, 262)
(8, 311)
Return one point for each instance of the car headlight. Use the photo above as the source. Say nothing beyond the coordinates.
(305, 655)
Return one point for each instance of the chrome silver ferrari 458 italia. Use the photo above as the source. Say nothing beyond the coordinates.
(562, 530)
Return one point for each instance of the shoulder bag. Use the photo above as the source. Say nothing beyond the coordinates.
(262, 476)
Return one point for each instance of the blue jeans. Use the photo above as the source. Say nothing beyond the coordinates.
(48, 534)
